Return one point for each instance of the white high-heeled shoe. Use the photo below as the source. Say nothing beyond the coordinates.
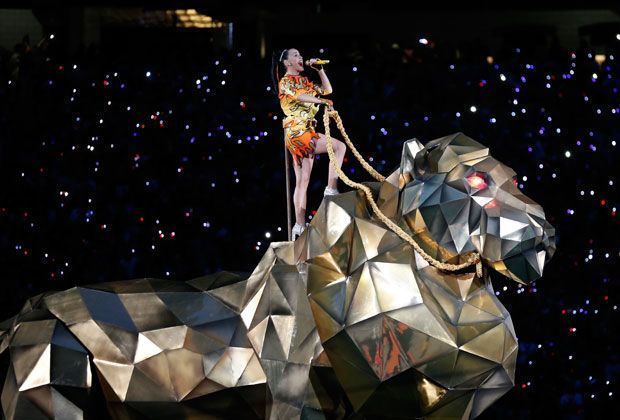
(330, 191)
(297, 231)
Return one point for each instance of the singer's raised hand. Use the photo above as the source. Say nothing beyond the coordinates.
(311, 62)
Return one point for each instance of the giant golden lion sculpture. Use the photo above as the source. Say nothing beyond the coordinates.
(347, 320)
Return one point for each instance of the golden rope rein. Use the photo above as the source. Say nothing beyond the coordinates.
(474, 258)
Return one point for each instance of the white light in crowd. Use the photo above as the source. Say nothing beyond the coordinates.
(423, 41)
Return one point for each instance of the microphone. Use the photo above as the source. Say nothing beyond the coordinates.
(318, 61)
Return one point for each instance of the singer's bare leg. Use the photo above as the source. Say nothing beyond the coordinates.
(302, 179)
(339, 150)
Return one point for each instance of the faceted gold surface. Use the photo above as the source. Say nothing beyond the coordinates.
(347, 321)
(451, 218)
(220, 346)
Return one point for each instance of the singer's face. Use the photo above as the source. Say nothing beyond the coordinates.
(295, 60)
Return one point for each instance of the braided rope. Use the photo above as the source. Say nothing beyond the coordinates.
(474, 258)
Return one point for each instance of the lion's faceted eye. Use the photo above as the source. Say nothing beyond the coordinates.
(477, 180)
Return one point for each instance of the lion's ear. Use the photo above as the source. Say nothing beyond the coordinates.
(426, 159)
(421, 163)
(410, 150)
(443, 154)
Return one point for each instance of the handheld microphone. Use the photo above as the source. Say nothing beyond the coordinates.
(318, 61)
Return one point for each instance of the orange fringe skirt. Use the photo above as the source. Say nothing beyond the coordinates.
(300, 138)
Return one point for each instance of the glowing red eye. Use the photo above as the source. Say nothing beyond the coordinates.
(476, 181)
(514, 181)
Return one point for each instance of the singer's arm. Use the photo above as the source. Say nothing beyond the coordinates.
(309, 98)
(327, 87)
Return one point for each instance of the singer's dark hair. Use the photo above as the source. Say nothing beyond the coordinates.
(277, 66)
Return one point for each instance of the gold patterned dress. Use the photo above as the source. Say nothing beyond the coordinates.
(299, 122)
